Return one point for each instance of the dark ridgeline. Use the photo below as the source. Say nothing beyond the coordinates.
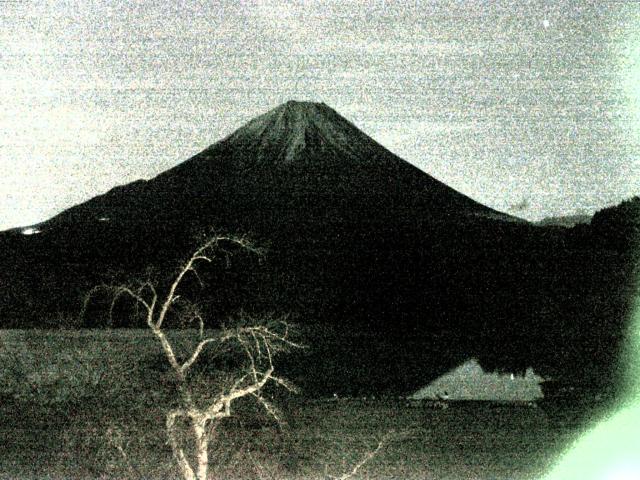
(393, 276)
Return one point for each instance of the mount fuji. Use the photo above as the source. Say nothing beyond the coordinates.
(385, 266)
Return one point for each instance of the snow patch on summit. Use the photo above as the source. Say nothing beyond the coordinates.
(294, 130)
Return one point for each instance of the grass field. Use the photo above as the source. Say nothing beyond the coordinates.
(90, 404)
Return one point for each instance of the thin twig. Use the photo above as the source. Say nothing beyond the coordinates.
(363, 461)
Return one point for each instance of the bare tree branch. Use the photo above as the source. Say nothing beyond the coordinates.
(198, 255)
(258, 343)
(286, 384)
(196, 353)
(363, 461)
(114, 438)
(269, 408)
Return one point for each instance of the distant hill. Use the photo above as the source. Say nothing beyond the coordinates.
(394, 277)
(565, 220)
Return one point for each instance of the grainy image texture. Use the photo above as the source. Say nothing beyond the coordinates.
(319, 239)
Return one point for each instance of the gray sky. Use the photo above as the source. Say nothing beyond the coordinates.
(528, 107)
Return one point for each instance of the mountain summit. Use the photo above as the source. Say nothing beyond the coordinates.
(296, 131)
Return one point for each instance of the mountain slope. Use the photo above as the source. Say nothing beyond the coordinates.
(567, 221)
(295, 156)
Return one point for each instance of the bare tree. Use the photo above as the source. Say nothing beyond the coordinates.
(258, 344)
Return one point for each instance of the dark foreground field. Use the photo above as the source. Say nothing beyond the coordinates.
(89, 404)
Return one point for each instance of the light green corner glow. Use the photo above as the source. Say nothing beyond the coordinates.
(611, 449)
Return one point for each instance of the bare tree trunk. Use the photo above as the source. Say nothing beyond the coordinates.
(202, 448)
(178, 453)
